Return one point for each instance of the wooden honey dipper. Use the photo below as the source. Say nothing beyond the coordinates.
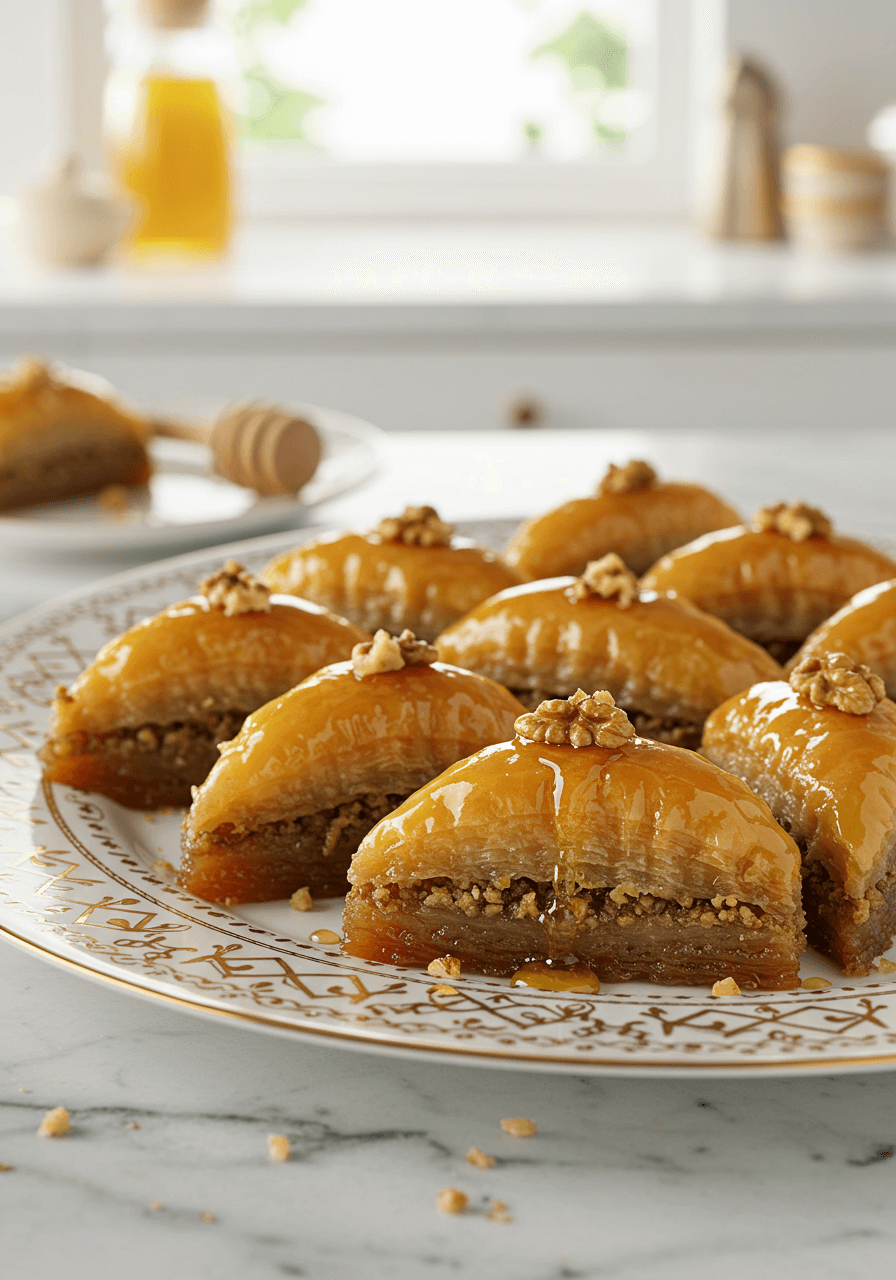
(259, 446)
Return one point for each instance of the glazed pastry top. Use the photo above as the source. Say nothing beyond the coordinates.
(392, 583)
(656, 654)
(192, 659)
(338, 735)
(36, 402)
(641, 817)
(865, 628)
(766, 583)
(829, 775)
(640, 524)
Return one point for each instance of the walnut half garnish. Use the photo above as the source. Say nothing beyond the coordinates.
(391, 653)
(608, 578)
(834, 680)
(416, 527)
(636, 474)
(579, 721)
(235, 590)
(794, 519)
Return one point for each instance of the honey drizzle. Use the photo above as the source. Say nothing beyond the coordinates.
(324, 935)
(544, 976)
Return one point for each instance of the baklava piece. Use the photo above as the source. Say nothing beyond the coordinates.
(633, 513)
(309, 775)
(142, 724)
(775, 579)
(821, 751)
(865, 628)
(411, 571)
(59, 439)
(579, 843)
(666, 663)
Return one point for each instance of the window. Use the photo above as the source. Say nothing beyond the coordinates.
(458, 107)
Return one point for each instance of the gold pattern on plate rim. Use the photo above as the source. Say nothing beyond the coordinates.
(106, 912)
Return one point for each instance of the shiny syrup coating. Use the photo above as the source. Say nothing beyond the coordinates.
(659, 655)
(652, 815)
(865, 628)
(640, 526)
(766, 585)
(335, 737)
(390, 584)
(830, 776)
(191, 659)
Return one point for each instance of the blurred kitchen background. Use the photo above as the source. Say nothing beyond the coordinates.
(458, 214)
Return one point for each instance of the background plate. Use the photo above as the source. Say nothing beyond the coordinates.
(185, 505)
(79, 885)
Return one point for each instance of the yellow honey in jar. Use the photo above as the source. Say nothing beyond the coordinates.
(176, 163)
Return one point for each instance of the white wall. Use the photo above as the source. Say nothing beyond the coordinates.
(835, 60)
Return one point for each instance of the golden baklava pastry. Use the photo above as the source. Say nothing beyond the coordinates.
(580, 842)
(142, 724)
(821, 751)
(775, 579)
(411, 571)
(633, 513)
(664, 661)
(865, 628)
(60, 440)
(310, 773)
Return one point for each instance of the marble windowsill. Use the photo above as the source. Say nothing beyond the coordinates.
(432, 280)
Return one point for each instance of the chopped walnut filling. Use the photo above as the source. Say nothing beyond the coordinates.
(391, 653)
(608, 578)
(636, 474)
(416, 527)
(579, 721)
(794, 519)
(524, 899)
(235, 590)
(834, 680)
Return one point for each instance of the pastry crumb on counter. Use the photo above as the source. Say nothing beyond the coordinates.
(156, 1205)
(444, 967)
(6, 1168)
(519, 1127)
(163, 869)
(451, 1200)
(498, 1212)
(725, 987)
(55, 1124)
(132, 1125)
(441, 990)
(480, 1159)
(278, 1147)
(208, 1217)
(24, 1090)
(116, 499)
(815, 984)
(302, 900)
(883, 965)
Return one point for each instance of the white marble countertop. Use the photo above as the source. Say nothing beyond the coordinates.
(679, 1179)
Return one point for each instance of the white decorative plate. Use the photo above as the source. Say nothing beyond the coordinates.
(185, 505)
(77, 886)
